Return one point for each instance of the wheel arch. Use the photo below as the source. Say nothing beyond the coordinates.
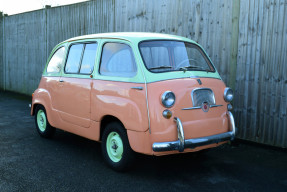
(42, 97)
(34, 107)
(105, 121)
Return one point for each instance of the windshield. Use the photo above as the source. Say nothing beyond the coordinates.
(165, 56)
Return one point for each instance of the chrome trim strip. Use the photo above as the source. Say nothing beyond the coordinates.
(190, 108)
(146, 94)
(196, 142)
(97, 78)
(147, 106)
(215, 106)
(199, 107)
(191, 77)
(138, 88)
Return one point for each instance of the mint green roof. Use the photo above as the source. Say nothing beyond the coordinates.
(134, 38)
(131, 36)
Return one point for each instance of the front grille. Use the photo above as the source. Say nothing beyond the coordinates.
(202, 95)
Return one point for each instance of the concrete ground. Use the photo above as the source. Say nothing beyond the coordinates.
(71, 163)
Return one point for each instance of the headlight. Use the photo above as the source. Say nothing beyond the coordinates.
(228, 94)
(168, 99)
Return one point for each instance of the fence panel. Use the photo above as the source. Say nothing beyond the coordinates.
(25, 50)
(207, 22)
(1, 51)
(261, 82)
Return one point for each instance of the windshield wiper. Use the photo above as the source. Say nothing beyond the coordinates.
(192, 67)
(161, 67)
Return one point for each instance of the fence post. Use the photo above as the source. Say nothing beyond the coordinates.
(234, 42)
(2, 51)
(47, 7)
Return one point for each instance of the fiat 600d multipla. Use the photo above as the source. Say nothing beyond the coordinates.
(149, 93)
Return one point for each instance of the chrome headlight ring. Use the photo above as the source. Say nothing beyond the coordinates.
(228, 94)
(168, 99)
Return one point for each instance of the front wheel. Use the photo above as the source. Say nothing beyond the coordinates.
(116, 149)
(42, 124)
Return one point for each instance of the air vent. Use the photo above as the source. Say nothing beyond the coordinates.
(202, 95)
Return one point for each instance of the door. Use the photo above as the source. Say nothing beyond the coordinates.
(119, 89)
(74, 94)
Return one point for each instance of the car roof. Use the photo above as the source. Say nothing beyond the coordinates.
(131, 36)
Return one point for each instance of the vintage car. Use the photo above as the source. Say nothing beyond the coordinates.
(149, 93)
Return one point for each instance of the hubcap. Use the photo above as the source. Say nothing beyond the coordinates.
(114, 146)
(41, 120)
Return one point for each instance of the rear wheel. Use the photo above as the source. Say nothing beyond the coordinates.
(42, 124)
(116, 149)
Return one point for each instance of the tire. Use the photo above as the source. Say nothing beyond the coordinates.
(116, 149)
(42, 124)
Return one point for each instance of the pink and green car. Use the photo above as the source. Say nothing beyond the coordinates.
(149, 93)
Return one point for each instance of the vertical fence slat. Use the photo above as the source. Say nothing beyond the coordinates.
(1, 51)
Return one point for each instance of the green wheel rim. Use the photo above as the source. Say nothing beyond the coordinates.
(41, 120)
(114, 145)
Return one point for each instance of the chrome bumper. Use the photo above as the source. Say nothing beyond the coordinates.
(182, 144)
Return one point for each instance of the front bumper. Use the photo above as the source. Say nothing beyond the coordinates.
(182, 144)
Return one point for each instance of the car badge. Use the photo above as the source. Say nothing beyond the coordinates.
(205, 106)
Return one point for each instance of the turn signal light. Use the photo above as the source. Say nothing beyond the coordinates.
(229, 107)
(167, 114)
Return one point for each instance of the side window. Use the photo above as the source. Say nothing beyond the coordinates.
(117, 60)
(74, 58)
(56, 62)
(89, 58)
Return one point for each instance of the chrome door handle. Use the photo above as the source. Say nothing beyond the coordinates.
(61, 81)
(138, 88)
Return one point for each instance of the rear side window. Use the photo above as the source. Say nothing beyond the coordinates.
(117, 60)
(57, 60)
(74, 58)
(89, 58)
(81, 58)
